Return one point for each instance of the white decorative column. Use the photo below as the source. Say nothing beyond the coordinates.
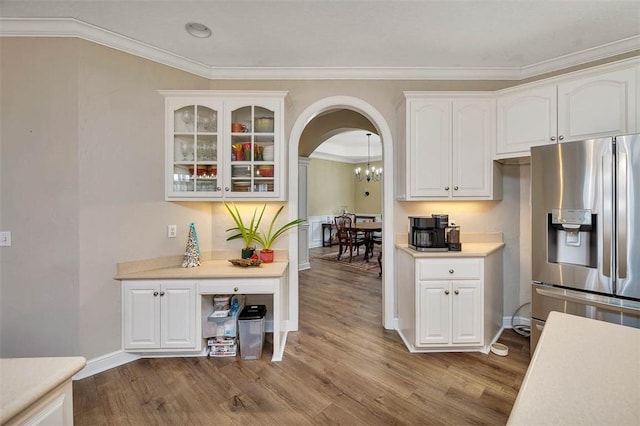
(303, 229)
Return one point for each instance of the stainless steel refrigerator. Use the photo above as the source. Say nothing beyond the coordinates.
(585, 213)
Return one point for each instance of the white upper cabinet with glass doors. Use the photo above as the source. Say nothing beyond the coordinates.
(224, 145)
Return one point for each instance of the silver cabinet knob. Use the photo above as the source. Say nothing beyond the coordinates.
(457, 292)
(218, 188)
(451, 271)
(155, 293)
(446, 188)
(553, 138)
(162, 293)
(226, 188)
(235, 289)
(455, 188)
(561, 138)
(446, 292)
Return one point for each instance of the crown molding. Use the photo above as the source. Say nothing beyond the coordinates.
(70, 27)
(588, 55)
(340, 158)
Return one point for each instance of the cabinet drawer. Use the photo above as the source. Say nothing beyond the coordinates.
(430, 269)
(242, 286)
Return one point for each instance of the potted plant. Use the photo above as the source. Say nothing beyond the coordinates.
(266, 239)
(247, 232)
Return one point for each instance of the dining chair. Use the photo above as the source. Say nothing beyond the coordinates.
(347, 238)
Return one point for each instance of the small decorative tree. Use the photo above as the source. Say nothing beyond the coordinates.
(192, 253)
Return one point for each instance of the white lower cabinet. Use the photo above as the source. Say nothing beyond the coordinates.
(450, 312)
(449, 303)
(160, 316)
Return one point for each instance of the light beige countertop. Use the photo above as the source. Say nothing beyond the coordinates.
(584, 372)
(25, 380)
(208, 269)
(468, 250)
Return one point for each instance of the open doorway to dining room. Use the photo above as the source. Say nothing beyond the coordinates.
(343, 178)
(318, 123)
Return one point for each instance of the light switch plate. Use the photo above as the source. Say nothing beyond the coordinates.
(5, 239)
(172, 231)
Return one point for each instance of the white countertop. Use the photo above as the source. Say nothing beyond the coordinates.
(209, 269)
(468, 250)
(584, 372)
(25, 380)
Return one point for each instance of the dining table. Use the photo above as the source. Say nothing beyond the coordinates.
(368, 228)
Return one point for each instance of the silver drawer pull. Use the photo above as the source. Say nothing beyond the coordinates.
(446, 292)
(235, 289)
(456, 292)
(451, 271)
(162, 293)
(155, 293)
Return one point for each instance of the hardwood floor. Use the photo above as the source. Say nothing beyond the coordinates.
(341, 367)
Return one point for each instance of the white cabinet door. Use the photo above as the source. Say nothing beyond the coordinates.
(466, 312)
(223, 145)
(597, 106)
(434, 313)
(472, 138)
(430, 147)
(178, 315)
(141, 315)
(526, 118)
(159, 315)
(585, 106)
(194, 148)
(450, 140)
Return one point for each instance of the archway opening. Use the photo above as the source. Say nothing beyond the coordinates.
(340, 113)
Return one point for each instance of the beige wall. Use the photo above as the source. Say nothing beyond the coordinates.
(82, 189)
(371, 204)
(332, 184)
(81, 185)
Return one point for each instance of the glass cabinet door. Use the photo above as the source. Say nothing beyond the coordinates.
(195, 150)
(252, 150)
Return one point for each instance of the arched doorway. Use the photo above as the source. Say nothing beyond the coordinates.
(383, 130)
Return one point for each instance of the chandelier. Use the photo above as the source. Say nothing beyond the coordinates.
(370, 173)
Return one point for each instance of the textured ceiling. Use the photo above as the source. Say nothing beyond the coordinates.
(363, 36)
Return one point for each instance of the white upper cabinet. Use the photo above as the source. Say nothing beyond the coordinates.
(583, 105)
(448, 147)
(598, 106)
(526, 118)
(223, 145)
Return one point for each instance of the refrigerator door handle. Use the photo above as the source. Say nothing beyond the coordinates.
(607, 218)
(621, 222)
(603, 302)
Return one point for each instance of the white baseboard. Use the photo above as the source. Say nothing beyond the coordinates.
(105, 362)
(506, 321)
(304, 266)
(118, 358)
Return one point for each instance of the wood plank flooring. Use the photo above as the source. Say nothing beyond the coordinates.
(341, 367)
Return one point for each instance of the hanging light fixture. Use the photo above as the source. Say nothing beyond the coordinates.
(370, 173)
